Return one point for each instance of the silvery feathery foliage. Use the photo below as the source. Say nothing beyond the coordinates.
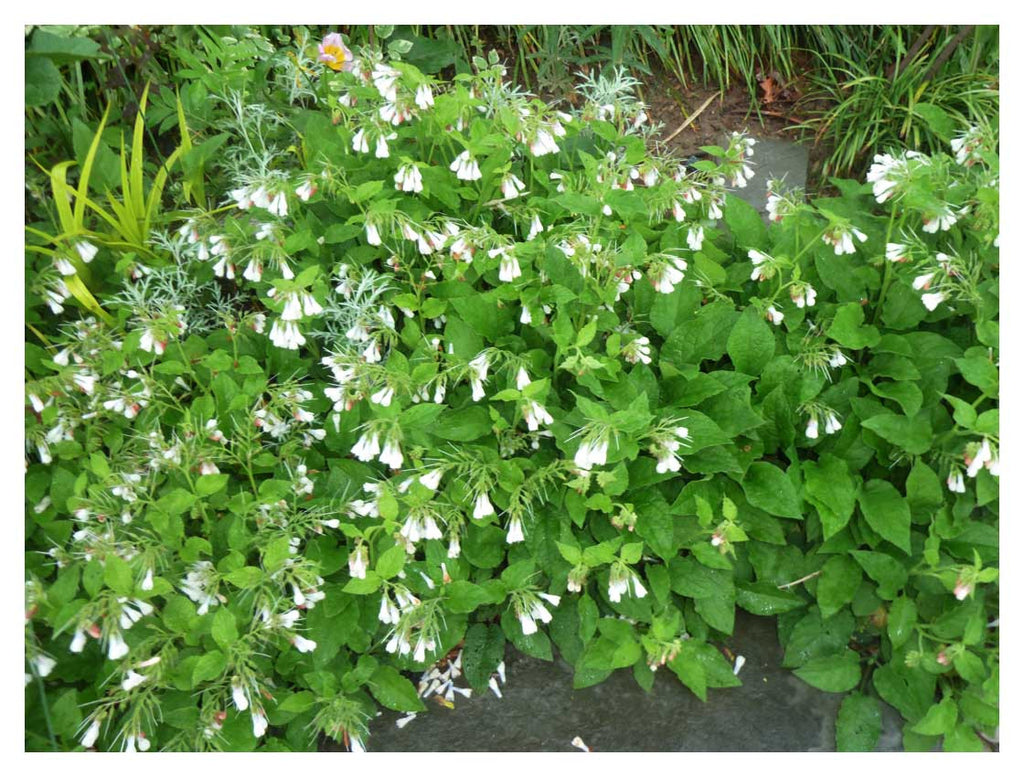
(164, 288)
(496, 92)
(252, 159)
(613, 96)
(618, 87)
(356, 303)
(291, 72)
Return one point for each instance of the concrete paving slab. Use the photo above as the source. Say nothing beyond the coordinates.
(540, 712)
(773, 159)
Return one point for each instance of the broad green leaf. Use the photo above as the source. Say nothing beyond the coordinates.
(939, 719)
(858, 724)
(914, 435)
(42, 81)
(847, 328)
(766, 486)
(245, 577)
(886, 512)
(691, 578)
(885, 570)
(718, 610)
(223, 629)
(813, 637)
(484, 648)
(690, 672)
(839, 581)
(962, 739)
(978, 370)
(751, 343)
(390, 562)
(906, 394)
(766, 599)
(361, 586)
(118, 575)
(208, 667)
(210, 484)
(830, 488)
(835, 674)
(745, 223)
(923, 486)
(911, 691)
(297, 702)
(176, 502)
(394, 691)
(463, 596)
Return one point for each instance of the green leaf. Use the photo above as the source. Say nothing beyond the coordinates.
(751, 343)
(745, 223)
(970, 667)
(858, 724)
(923, 486)
(705, 336)
(762, 598)
(914, 435)
(366, 190)
(939, 719)
(463, 425)
(66, 714)
(588, 615)
(839, 581)
(718, 610)
(394, 691)
(691, 578)
(889, 573)
(176, 502)
(297, 702)
(766, 486)
(361, 586)
(906, 394)
(911, 691)
(245, 577)
(463, 596)
(484, 648)
(962, 739)
(223, 629)
(42, 82)
(62, 49)
(570, 553)
(978, 370)
(938, 121)
(208, 667)
(835, 674)
(830, 488)
(690, 672)
(886, 511)
(655, 525)
(963, 412)
(178, 614)
(118, 575)
(390, 562)
(847, 329)
(901, 621)
(813, 637)
(210, 484)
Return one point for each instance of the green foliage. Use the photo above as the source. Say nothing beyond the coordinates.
(399, 405)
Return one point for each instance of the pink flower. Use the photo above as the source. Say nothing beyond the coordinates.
(335, 54)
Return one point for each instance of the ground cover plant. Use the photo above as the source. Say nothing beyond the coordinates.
(372, 371)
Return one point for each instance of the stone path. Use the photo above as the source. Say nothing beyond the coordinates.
(540, 712)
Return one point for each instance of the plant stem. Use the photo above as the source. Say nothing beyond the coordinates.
(46, 711)
(887, 277)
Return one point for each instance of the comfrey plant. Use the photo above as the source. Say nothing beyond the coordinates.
(488, 373)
